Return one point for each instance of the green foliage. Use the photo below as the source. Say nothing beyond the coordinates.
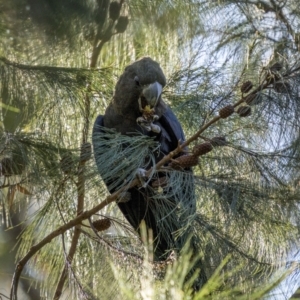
(247, 191)
(168, 281)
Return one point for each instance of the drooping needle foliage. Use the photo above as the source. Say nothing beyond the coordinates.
(59, 63)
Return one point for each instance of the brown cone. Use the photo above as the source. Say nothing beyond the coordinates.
(122, 24)
(114, 10)
(101, 225)
(244, 111)
(185, 161)
(246, 86)
(226, 111)
(6, 166)
(202, 149)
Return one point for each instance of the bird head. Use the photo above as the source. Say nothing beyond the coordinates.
(139, 87)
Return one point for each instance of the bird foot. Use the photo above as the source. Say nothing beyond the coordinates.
(144, 123)
(141, 176)
(148, 125)
(155, 128)
(155, 118)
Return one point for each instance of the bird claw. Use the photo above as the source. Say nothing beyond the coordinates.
(155, 128)
(148, 125)
(141, 176)
(155, 118)
(144, 123)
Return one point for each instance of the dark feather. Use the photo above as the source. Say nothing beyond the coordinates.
(169, 212)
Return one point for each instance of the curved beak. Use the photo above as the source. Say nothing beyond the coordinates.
(152, 93)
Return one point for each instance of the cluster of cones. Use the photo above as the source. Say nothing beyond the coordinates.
(272, 79)
(244, 110)
(191, 160)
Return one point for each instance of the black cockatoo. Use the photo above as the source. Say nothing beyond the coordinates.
(137, 106)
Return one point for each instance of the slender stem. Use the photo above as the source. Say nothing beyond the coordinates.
(81, 180)
(80, 204)
(68, 263)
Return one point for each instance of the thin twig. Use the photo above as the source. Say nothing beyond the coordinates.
(45, 67)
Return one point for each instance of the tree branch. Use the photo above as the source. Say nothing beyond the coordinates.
(62, 229)
(81, 180)
(109, 199)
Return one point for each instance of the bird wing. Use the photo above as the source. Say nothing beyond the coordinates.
(167, 212)
(171, 131)
(135, 210)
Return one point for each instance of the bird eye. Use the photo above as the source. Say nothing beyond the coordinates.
(137, 81)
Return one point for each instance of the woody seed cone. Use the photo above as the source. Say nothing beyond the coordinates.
(246, 86)
(202, 149)
(226, 111)
(185, 161)
(101, 225)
